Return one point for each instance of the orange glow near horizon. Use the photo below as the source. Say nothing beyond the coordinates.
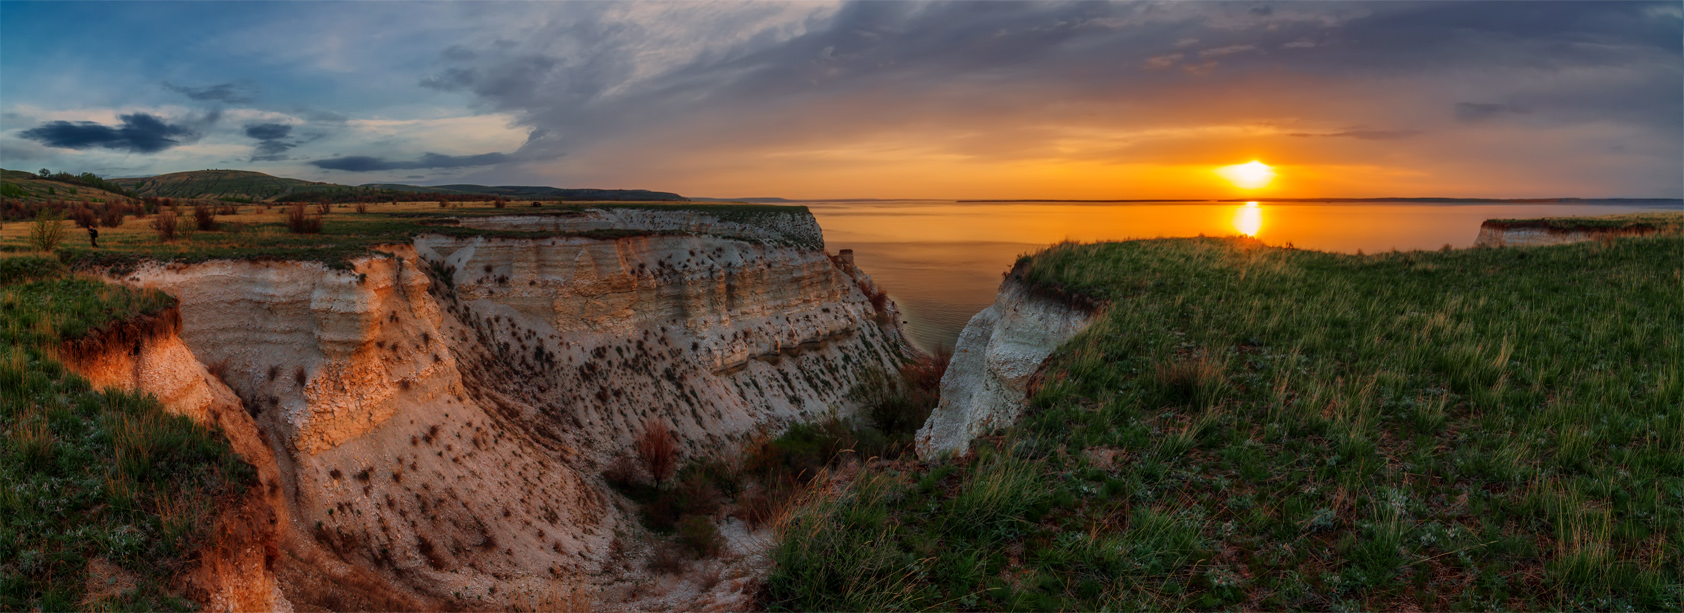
(1250, 175)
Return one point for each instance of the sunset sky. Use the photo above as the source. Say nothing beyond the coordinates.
(1077, 100)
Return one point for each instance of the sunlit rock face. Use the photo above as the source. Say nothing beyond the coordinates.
(440, 412)
(1000, 349)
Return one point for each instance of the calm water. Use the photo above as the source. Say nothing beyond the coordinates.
(942, 261)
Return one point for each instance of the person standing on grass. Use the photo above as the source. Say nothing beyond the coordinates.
(93, 237)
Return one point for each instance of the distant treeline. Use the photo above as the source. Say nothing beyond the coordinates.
(87, 179)
(389, 195)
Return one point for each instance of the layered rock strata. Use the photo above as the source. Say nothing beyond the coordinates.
(440, 412)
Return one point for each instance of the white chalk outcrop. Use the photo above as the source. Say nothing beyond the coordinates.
(1000, 349)
(439, 412)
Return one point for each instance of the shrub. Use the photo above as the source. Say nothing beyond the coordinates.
(362, 207)
(499, 202)
(698, 534)
(301, 222)
(83, 216)
(112, 216)
(323, 208)
(621, 473)
(48, 232)
(658, 449)
(444, 204)
(226, 209)
(164, 225)
(204, 218)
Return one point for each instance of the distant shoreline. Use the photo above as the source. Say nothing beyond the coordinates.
(1432, 200)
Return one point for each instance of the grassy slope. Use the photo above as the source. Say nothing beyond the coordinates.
(92, 474)
(1260, 427)
(1670, 222)
(36, 189)
(245, 184)
(260, 232)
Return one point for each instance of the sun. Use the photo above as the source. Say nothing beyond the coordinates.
(1250, 175)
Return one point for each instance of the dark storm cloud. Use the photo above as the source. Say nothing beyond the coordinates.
(1479, 111)
(268, 131)
(230, 93)
(271, 141)
(138, 133)
(364, 163)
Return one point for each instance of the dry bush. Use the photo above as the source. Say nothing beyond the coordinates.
(926, 373)
(499, 202)
(362, 207)
(47, 232)
(226, 209)
(879, 300)
(301, 222)
(444, 204)
(83, 216)
(164, 224)
(621, 473)
(658, 449)
(1199, 379)
(767, 502)
(698, 534)
(112, 215)
(204, 217)
(323, 208)
(668, 559)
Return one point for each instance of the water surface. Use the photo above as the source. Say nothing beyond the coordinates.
(941, 261)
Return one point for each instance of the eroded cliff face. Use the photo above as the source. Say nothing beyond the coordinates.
(999, 351)
(439, 412)
(235, 572)
(1534, 235)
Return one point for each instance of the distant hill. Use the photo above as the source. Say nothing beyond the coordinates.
(224, 184)
(245, 185)
(20, 186)
(532, 191)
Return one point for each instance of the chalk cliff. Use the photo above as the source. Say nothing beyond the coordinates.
(438, 413)
(1000, 349)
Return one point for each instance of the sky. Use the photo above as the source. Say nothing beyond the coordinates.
(876, 99)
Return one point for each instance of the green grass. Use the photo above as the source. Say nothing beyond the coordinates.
(86, 473)
(1253, 427)
(254, 235)
(1669, 222)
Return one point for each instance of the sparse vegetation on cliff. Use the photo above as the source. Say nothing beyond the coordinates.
(91, 479)
(334, 238)
(1255, 427)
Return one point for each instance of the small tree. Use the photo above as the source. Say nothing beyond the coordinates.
(658, 449)
(48, 232)
(204, 217)
(83, 216)
(112, 215)
(444, 204)
(362, 207)
(499, 202)
(301, 222)
(164, 224)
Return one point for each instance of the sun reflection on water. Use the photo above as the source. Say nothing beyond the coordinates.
(1248, 219)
